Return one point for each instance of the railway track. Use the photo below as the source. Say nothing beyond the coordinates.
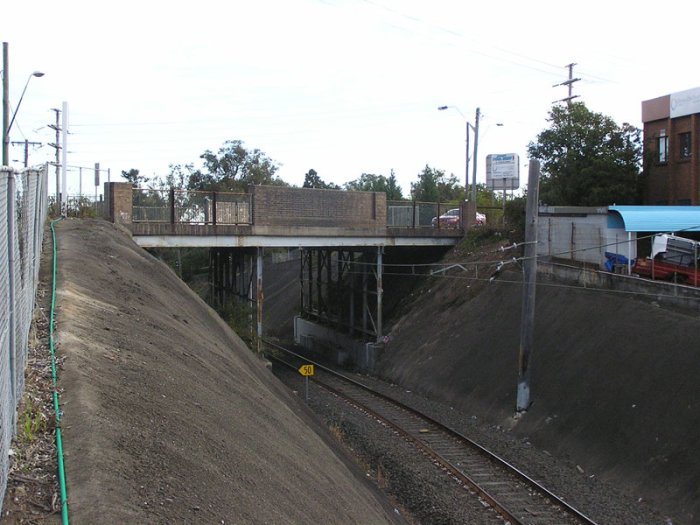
(514, 496)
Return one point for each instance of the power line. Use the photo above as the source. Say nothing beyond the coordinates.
(462, 36)
(545, 284)
(569, 83)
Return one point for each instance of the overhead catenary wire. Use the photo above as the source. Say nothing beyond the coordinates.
(693, 228)
(439, 270)
(487, 280)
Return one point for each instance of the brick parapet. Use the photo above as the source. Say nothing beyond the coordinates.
(119, 202)
(280, 206)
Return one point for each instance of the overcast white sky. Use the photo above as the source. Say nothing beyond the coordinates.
(341, 86)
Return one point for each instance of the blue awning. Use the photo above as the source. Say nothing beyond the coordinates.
(655, 218)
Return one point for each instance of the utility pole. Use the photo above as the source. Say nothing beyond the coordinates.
(26, 143)
(568, 83)
(64, 161)
(476, 145)
(527, 312)
(5, 104)
(57, 164)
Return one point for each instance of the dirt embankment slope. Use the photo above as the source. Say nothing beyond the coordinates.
(168, 418)
(614, 380)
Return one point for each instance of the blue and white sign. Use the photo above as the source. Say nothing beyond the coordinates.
(503, 171)
(685, 102)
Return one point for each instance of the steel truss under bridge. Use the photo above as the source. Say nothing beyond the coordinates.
(343, 288)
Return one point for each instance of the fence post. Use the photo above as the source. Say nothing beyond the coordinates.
(11, 236)
(37, 228)
(213, 209)
(171, 197)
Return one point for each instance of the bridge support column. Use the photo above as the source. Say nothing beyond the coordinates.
(226, 275)
(365, 305)
(380, 291)
(335, 289)
(259, 296)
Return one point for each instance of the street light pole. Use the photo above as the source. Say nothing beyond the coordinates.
(35, 74)
(466, 170)
(5, 105)
(475, 129)
(476, 145)
(6, 127)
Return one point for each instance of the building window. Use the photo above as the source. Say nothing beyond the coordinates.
(662, 149)
(685, 145)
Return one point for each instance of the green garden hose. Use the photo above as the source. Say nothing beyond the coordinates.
(59, 443)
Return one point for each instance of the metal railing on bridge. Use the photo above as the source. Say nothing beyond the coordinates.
(191, 207)
(417, 214)
(207, 208)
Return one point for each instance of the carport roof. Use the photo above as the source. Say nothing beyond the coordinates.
(655, 218)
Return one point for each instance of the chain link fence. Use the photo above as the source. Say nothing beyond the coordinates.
(23, 211)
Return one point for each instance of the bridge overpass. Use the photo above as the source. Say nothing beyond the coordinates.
(342, 236)
(274, 216)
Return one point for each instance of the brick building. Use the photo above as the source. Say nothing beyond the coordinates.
(671, 148)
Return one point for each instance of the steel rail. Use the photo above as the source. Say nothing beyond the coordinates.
(500, 462)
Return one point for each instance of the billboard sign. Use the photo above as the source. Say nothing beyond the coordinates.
(685, 103)
(503, 171)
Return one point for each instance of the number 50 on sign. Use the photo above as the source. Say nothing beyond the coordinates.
(306, 370)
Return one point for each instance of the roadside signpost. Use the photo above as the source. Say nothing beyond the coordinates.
(306, 371)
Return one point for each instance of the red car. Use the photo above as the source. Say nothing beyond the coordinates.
(679, 270)
(449, 219)
(673, 260)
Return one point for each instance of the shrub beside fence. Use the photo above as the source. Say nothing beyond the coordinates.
(23, 212)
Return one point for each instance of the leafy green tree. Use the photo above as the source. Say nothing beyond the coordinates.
(587, 159)
(312, 180)
(371, 182)
(433, 186)
(181, 176)
(393, 190)
(233, 168)
(134, 178)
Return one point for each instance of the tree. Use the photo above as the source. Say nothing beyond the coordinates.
(434, 186)
(587, 159)
(312, 180)
(181, 176)
(393, 190)
(371, 182)
(233, 168)
(134, 178)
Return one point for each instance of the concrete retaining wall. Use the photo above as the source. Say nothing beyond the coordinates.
(339, 348)
(663, 292)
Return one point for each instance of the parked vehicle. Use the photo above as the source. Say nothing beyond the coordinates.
(673, 259)
(451, 219)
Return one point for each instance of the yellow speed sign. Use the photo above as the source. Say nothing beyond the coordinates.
(306, 370)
